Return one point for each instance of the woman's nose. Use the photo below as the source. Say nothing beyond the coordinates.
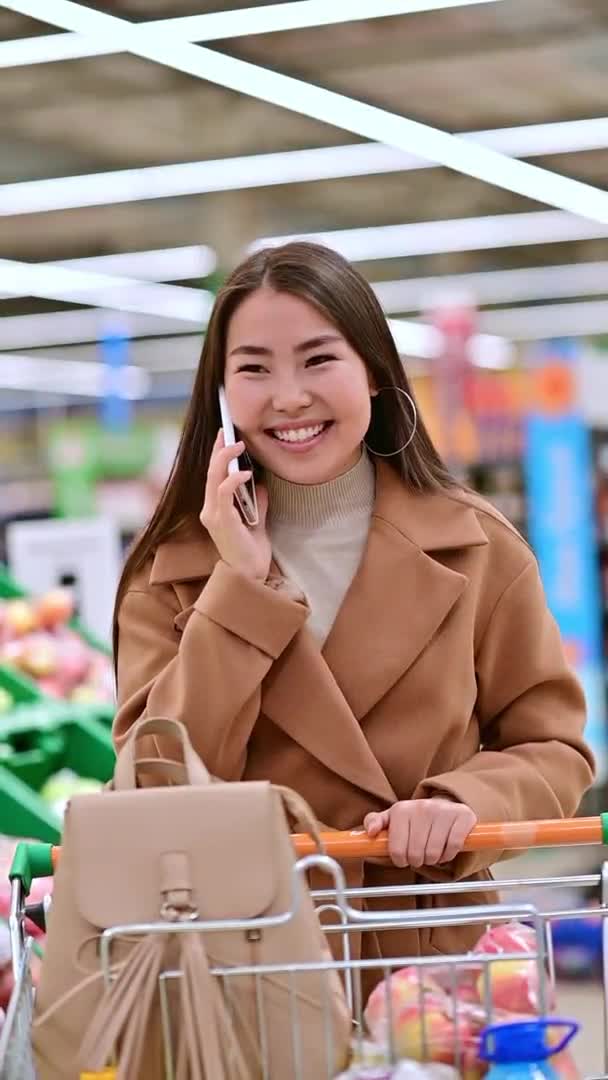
(290, 397)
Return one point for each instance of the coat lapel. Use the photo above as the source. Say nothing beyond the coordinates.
(401, 594)
(396, 603)
(302, 697)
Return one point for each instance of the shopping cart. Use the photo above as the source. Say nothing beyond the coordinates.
(38, 860)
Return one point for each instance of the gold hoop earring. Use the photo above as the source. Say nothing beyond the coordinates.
(399, 390)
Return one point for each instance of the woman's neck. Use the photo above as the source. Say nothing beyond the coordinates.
(314, 505)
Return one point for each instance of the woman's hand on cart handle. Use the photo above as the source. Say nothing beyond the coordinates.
(486, 836)
(34, 860)
(423, 832)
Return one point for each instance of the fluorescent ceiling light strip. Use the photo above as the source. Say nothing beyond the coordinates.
(77, 377)
(53, 282)
(455, 234)
(330, 108)
(167, 264)
(495, 286)
(74, 327)
(410, 294)
(223, 24)
(283, 167)
(162, 264)
(549, 320)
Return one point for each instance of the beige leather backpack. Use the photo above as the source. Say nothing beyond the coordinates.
(179, 855)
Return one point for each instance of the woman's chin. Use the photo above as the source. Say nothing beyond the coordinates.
(307, 468)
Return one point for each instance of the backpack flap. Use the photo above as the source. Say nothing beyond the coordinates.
(129, 849)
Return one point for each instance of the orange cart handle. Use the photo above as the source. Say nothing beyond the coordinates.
(34, 860)
(505, 836)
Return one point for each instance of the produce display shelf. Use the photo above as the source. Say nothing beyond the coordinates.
(36, 743)
(24, 690)
(10, 590)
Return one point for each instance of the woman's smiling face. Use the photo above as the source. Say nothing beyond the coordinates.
(299, 394)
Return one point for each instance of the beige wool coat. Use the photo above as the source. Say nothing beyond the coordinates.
(443, 673)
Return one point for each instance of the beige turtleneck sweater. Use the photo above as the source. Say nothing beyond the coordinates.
(318, 535)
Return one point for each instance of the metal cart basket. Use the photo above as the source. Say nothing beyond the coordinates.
(37, 860)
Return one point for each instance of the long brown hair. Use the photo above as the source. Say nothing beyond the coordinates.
(328, 282)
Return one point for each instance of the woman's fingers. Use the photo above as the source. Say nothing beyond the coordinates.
(228, 488)
(399, 834)
(459, 831)
(374, 823)
(217, 474)
(441, 827)
(221, 456)
(423, 832)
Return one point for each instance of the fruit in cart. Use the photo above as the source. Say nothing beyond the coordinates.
(55, 608)
(431, 1035)
(408, 986)
(514, 985)
(414, 1070)
(564, 1066)
(19, 618)
(512, 937)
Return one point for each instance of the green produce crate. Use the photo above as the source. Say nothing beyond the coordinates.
(34, 745)
(22, 690)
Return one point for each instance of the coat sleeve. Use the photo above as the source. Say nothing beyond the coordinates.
(209, 676)
(533, 762)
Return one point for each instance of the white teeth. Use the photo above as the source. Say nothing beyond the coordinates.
(299, 434)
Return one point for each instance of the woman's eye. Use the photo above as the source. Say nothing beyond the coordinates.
(251, 369)
(314, 361)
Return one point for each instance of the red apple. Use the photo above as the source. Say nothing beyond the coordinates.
(514, 985)
(510, 937)
(433, 1037)
(55, 608)
(409, 986)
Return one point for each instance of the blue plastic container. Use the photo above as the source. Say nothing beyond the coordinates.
(521, 1050)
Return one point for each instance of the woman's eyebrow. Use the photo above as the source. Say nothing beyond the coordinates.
(251, 350)
(314, 343)
(304, 346)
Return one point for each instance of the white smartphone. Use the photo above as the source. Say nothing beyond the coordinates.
(246, 497)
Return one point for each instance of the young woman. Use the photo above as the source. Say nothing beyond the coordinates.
(380, 641)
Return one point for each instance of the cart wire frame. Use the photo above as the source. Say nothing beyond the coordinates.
(16, 1057)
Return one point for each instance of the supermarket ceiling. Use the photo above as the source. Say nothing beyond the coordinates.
(108, 153)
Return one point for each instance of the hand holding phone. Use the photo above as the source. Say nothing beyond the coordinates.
(245, 547)
(245, 494)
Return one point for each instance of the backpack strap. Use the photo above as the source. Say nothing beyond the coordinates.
(300, 813)
(127, 765)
